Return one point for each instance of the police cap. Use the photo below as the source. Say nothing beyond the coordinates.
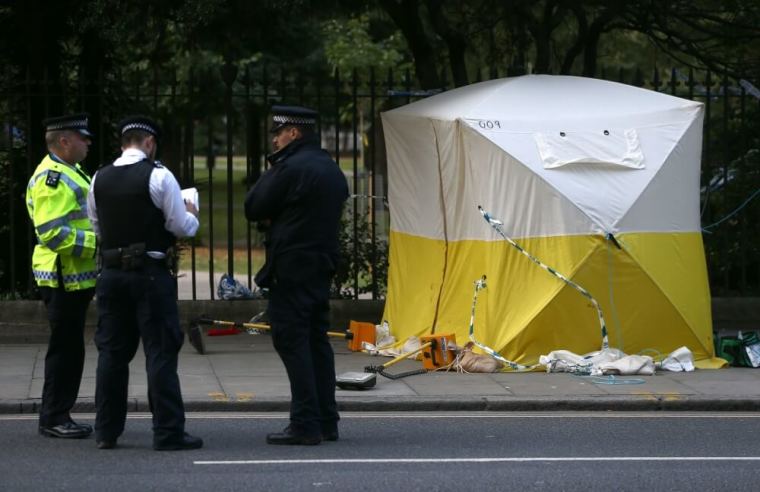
(292, 115)
(74, 122)
(139, 122)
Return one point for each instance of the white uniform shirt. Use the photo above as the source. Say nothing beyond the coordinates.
(164, 193)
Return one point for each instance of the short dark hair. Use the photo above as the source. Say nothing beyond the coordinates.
(306, 130)
(134, 137)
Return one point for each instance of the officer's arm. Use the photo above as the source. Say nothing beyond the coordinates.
(166, 195)
(92, 212)
(267, 197)
(52, 216)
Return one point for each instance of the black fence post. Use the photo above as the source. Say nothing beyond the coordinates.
(250, 137)
(731, 252)
(283, 86)
(210, 166)
(354, 129)
(337, 115)
(101, 116)
(408, 85)
(372, 188)
(742, 164)
(155, 88)
(229, 73)
(725, 144)
(190, 149)
(30, 148)
(707, 164)
(656, 82)
(389, 84)
(174, 127)
(300, 85)
(12, 187)
(265, 126)
(691, 83)
(319, 103)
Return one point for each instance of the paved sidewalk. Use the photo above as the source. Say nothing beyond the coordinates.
(243, 373)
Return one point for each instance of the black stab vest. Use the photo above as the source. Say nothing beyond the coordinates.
(126, 213)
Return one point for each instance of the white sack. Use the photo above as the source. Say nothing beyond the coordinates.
(679, 360)
(627, 366)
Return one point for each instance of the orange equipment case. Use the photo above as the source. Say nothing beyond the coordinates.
(438, 354)
(363, 332)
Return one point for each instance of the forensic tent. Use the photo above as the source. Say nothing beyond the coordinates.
(598, 180)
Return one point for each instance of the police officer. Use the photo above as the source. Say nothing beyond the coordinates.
(63, 265)
(136, 208)
(299, 201)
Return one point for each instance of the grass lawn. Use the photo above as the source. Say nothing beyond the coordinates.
(346, 163)
(213, 199)
(240, 260)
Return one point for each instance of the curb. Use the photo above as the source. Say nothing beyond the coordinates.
(431, 404)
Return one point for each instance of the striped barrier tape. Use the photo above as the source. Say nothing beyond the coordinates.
(481, 284)
(496, 225)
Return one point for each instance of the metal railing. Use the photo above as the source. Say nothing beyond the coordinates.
(222, 114)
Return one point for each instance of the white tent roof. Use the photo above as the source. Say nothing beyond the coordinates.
(549, 155)
(543, 98)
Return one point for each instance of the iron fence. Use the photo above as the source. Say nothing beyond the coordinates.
(221, 114)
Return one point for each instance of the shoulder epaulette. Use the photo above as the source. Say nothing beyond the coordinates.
(53, 177)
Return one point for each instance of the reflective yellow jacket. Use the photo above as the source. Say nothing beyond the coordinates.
(56, 199)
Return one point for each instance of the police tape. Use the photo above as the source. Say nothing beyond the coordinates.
(481, 284)
(496, 225)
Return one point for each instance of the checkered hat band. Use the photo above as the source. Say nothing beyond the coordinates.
(138, 126)
(294, 120)
(67, 124)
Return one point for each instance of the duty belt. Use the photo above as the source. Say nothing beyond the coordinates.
(132, 257)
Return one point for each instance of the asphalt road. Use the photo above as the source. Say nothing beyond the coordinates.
(412, 451)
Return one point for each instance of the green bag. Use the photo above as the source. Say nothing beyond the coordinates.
(732, 349)
(751, 346)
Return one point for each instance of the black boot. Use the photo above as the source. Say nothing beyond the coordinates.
(288, 436)
(185, 442)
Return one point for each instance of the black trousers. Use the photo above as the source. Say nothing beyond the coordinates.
(64, 360)
(134, 305)
(299, 312)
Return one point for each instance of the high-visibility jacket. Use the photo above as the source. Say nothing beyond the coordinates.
(56, 199)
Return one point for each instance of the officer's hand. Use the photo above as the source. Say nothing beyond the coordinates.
(191, 208)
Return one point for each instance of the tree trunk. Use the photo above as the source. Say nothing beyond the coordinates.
(457, 61)
(590, 54)
(454, 40)
(406, 15)
(92, 64)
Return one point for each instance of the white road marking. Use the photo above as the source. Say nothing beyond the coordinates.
(480, 460)
(434, 415)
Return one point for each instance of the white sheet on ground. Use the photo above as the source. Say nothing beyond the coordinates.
(608, 361)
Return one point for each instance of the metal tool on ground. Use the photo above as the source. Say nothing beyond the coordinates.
(368, 378)
(195, 331)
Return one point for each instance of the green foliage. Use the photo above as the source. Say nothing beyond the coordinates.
(348, 46)
(360, 260)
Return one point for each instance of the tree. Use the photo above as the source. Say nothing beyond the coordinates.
(562, 36)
